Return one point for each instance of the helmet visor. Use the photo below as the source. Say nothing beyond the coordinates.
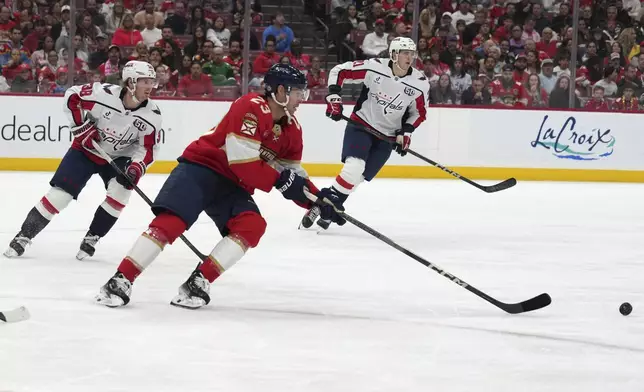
(300, 92)
(147, 82)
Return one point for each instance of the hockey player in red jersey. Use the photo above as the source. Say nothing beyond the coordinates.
(125, 124)
(217, 174)
(393, 102)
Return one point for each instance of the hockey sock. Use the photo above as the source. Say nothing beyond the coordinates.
(225, 254)
(33, 224)
(244, 232)
(44, 211)
(349, 178)
(102, 223)
(163, 230)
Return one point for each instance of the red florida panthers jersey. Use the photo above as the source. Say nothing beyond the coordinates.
(247, 143)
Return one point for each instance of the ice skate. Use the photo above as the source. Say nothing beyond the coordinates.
(17, 246)
(87, 246)
(194, 293)
(116, 292)
(310, 217)
(323, 224)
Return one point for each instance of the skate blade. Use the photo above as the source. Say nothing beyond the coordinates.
(15, 315)
(10, 253)
(82, 255)
(186, 302)
(111, 301)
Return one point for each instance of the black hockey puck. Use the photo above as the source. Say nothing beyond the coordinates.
(625, 309)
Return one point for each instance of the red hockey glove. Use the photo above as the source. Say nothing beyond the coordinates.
(403, 139)
(133, 174)
(85, 134)
(334, 103)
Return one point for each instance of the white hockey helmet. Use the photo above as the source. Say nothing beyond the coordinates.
(401, 43)
(135, 69)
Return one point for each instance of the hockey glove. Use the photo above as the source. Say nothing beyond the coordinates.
(133, 174)
(334, 103)
(292, 186)
(86, 133)
(403, 139)
(331, 206)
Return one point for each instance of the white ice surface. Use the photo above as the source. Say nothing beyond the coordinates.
(341, 311)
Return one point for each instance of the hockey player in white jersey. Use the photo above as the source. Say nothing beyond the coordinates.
(125, 123)
(393, 102)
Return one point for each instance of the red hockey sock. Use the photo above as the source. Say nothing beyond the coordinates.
(211, 269)
(129, 269)
(163, 230)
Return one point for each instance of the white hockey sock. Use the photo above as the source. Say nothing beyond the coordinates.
(226, 253)
(146, 248)
(350, 176)
(53, 202)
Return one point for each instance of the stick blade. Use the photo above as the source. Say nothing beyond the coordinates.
(538, 302)
(15, 315)
(509, 183)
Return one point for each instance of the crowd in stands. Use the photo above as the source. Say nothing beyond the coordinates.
(194, 47)
(512, 53)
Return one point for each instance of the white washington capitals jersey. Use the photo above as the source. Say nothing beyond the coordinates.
(123, 132)
(387, 101)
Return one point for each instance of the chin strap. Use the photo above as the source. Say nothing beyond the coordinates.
(132, 91)
(283, 104)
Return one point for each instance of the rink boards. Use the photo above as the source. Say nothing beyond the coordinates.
(479, 143)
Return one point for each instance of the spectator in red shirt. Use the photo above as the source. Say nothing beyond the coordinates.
(6, 24)
(164, 88)
(440, 67)
(537, 96)
(196, 84)
(126, 35)
(393, 6)
(36, 36)
(61, 82)
(627, 103)
(548, 44)
(298, 59)
(506, 91)
(597, 102)
(48, 71)
(316, 77)
(112, 65)
(482, 36)
(167, 35)
(235, 58)
(504, 31)
(266, 59)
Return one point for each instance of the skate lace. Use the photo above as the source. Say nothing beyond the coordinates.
(121, 283)
(23, 241)
(91, 239)
(201, 283)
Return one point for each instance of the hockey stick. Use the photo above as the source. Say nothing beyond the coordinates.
(138, 190)
(15, 315)
(531, 304)
(509, 183)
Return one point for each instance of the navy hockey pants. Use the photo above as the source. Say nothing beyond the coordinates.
(76, 169)
(360, 144)
(192, 188)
